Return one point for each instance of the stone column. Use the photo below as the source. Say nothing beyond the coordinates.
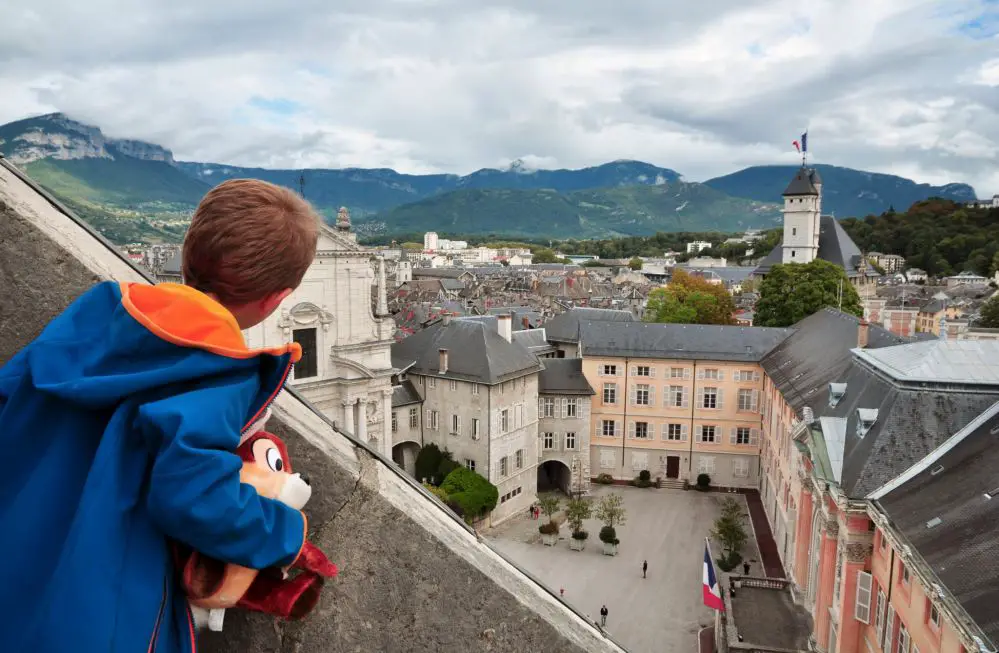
(827, 576)
(387, 438)
(382, 302)
(362, 420)
(348, 417)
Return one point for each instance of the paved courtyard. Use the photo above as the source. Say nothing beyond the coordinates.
(665, 527)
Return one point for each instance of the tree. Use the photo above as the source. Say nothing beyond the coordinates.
(790, 293)
(690, 300)
(728, 528)
(433, 465)
(546, 255)
(635, 264)
(611, 510)
(549, 503)
(471, 491)
(989, 317)
(577, 511)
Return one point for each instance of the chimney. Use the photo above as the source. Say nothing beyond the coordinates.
(862, 334)
(442, 367)
(504, 325)
(526, 322)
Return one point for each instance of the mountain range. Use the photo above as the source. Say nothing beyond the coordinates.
(133, 190)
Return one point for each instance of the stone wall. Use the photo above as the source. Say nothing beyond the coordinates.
(412, 578)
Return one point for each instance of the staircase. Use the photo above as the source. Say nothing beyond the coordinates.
(672, 483)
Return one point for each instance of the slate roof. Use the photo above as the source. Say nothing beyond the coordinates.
(803, 183)
(405, 394)
(952, 485)
(172, 265)
(565, 327)
(563, 376)
(476, 352)
(534, 340)
(966, 362)
(835, 246)
(678, 341)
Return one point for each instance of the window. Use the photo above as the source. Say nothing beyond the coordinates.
(504, 420)
(792, 253)
(677, 396)
(643, 370)
(432, 418)
(475, 388)
(794, 231)
(455, 424)
(308, 365)
(520, 459)
(934, 616)
(609, 428)
(676, 432)
(548, 441)
(707, 434)
(706, 465)
(414, 418)
(742, 434)
(747, 399)
(678, 373)
(709, 398)
(570, 441)
(747, 375)
(607, 459)
(475, 428)
(740, 467)
(610, 370)
(469, 464)
(518, 416)
(431, 382)
(548, 407)
(453, 385)
(502, 387)
(714, 375)
(504, 469)
(642, 394)
(879, 616)
(640, 430)
(904, 573)
(639, 460)
(395, 422)
(883, 543)
(570, 407)
(902, 643)
(610, 393)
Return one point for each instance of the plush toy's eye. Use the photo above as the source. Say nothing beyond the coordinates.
(274, 460)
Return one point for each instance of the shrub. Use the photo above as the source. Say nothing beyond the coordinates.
(608, 535)
(548, 528)
(729, 562)
(641, 482)
(472, 492)
(645, 475)
(605, 479)
(580, 535)
(703, 481)
(437, 492)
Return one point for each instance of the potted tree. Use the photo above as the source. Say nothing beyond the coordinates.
(729, 532)
(612, 513)
(577, 511)
(549, 504)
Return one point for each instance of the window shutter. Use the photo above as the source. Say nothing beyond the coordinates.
(565, 407)
(686, 398)
(889, 627)
(600, 370)
(756, 376)
(684, 432)
(719, 404)
(686, 373)
(634, 370)
(862, 607)
(459, 423)
(700, 374)
(631, 430)
(541, 407)
(754, 402)
(697, 434)
(733, 435)
(652, 396)
(652, 371)
(631, 396)
(665, 435)
(721, 375)
(754, 437)
(598, 430)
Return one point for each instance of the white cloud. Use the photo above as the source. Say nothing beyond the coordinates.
(446, 85)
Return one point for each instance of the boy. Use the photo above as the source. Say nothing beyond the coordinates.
(119, 425)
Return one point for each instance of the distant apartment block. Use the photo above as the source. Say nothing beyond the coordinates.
(698, 246)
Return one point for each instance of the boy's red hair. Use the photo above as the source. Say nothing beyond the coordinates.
(249, 239)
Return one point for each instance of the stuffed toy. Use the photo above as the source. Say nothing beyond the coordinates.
(212, 586)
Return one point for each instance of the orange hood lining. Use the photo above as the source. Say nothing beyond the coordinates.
(189, 318)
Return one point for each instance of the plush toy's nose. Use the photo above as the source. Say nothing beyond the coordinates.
(305, 478)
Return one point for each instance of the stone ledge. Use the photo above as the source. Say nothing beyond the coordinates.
(412, 578)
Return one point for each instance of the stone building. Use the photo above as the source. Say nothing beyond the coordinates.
(479, 391)
(564, 404)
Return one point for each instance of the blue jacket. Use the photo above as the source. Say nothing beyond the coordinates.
(119, 425)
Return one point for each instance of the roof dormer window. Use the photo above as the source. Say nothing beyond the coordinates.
(836, 392)
(866, 417)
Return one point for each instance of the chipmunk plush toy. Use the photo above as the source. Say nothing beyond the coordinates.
(212, 586)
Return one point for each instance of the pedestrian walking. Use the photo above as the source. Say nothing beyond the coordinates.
(645, 568)
(745, 568)
(603, 616)
(530, 511)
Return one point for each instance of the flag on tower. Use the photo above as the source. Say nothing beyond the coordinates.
(804, 142)
(797, 146)
(711, 591)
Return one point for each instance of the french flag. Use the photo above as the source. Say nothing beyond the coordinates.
(802, 145)
(712, 593)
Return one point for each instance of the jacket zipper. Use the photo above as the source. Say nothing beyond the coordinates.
(159, 619)
(270, 400)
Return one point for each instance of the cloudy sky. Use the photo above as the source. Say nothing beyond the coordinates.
(706, 87)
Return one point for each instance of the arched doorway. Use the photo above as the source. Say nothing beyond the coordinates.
(554, 475)
(404, 455)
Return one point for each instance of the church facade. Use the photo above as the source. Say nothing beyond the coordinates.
(346, 336)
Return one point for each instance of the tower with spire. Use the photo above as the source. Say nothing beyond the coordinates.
(802, 217)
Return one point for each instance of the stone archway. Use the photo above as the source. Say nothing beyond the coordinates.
(554, 475)
(404, 455)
